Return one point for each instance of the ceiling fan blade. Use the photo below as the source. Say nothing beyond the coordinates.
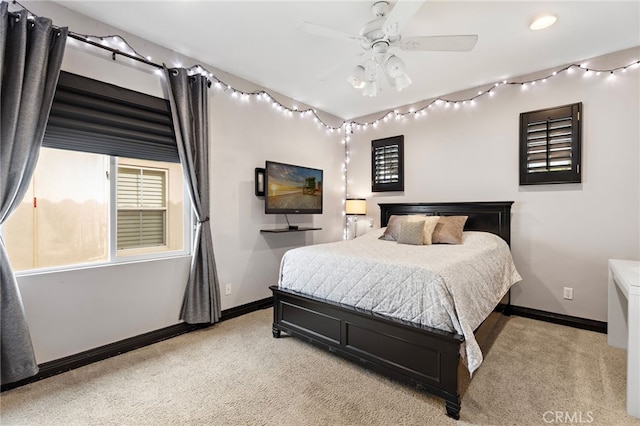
(319, 30)
(400, 15)
(453, 43)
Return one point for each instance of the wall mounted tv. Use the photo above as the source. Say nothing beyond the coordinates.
(292, 189)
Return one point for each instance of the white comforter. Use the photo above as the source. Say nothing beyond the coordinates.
(448, 287)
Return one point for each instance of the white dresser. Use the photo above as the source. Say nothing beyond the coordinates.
(623, 329)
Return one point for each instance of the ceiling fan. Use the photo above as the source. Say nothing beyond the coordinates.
(380, 35)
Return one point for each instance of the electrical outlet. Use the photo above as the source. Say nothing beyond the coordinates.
(370, 222)
(227, 290)
(568, 293)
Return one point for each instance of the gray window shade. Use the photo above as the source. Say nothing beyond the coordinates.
(141, 201)
(387, 164)
(93, 116)
(550, 142)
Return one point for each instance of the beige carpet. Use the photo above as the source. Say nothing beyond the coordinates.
(236, 374)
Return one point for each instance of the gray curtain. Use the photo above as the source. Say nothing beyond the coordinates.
(31, 53)
(188, 99)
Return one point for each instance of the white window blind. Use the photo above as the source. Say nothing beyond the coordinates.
(142, 209)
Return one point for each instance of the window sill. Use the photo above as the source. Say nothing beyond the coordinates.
(98, 265)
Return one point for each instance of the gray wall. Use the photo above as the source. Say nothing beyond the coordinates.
(562, 235)
(75, 310)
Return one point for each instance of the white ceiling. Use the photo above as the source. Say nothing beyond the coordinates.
(259, 41)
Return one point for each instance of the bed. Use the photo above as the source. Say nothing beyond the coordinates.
(409, 351)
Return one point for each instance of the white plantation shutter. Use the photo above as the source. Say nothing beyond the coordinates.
(550, 145)
(140, 228)
(128, 187)
(141, 201)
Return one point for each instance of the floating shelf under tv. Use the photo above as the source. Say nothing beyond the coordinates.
(280, 230)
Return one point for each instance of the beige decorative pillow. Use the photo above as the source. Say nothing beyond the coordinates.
(393, 226)
(430, 223)
(449, 230)
(411, 232)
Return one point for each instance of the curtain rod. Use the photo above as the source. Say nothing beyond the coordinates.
(84, 39)
(114, 52)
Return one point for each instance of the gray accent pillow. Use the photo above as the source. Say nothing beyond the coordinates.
(394, 224)
(411, 232)
(393, 228)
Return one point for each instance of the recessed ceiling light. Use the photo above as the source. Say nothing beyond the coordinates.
(543, 22)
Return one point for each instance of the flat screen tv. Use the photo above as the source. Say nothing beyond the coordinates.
(290, 189)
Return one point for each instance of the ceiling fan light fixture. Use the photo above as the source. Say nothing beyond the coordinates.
(543, 22)
(380, 35)
(357, 77)
(402, 82)
(370, 89)
(394, 66)
(357, 84)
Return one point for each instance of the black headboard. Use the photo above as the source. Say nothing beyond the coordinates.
(493, 216)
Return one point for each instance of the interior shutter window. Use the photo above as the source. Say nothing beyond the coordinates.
(387, 164)
(141, 201)
(550, 145)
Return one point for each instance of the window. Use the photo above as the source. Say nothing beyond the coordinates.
(387, 164)
(550, 143)
(64, 217)
(108, 185)
(75, 213)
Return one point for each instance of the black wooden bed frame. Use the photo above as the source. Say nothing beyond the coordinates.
(421, 356)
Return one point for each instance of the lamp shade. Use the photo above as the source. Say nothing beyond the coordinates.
(356, 206)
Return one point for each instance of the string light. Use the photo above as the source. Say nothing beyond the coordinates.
(445, 103)
(526, 84)
(118, 45)
(386, 115)
(346, 137)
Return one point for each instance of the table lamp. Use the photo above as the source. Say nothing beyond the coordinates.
(354, 207)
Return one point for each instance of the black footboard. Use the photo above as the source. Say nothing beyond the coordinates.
(421, 356)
